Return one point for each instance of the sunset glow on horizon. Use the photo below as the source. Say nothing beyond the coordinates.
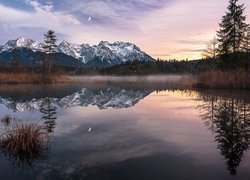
(165, 29)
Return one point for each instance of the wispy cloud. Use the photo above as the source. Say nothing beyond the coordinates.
(42, 17)
(159, 27)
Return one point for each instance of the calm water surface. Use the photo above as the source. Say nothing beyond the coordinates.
(130, 130)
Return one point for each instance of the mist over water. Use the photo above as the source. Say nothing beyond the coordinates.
(150, 127)
(152, 78)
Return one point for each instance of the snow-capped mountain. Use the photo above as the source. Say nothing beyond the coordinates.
(73, 50)
(102, 55)
(104, 52)
(21, 43)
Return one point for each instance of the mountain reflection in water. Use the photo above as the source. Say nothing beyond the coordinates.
(105, 94)
(116, 147)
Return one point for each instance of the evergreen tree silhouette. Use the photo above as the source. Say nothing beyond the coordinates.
(49, 114)
(49, 55)
(232, 29)
(231, 118)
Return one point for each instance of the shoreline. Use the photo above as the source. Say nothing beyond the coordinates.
(219, 79)
(31, 78)
(214, 79)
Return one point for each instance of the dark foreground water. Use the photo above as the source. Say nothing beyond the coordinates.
(133, 130)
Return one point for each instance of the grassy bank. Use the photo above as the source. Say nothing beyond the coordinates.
(218, 79)
(28, 78)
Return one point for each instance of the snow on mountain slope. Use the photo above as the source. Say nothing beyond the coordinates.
(103, 54)
(73, 50)
(21, 42)
(113, 53)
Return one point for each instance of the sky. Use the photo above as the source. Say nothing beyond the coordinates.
(165, 29)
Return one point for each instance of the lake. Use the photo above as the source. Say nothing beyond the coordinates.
(138, 128)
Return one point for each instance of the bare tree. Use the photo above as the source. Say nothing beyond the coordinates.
(246, 44)
(246, 47)
(211, 51)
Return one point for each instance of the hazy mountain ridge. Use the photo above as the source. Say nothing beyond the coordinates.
(28, 57)
(102, 55)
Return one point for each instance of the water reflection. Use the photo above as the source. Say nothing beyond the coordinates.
(229, 119)
(6, 120)
(49, 114)
(104, 97)
(24, 143)
(114, 110)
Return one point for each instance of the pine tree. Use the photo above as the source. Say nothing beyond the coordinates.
(49, 49)
(15, 65)
(232, 29)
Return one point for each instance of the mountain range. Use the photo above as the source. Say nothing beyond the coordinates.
(105, 54)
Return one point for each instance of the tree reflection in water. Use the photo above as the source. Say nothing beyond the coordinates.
(229, 119)
(49, 114)
(24, 143)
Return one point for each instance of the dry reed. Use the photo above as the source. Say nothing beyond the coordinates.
(24, 143)
(26, 78)
(233, 79)
(6, 120)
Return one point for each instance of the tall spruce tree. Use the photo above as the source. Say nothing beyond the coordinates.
(232, 29)
(49, 55)
(15, 65)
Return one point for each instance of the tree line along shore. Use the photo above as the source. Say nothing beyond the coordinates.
(225, 62)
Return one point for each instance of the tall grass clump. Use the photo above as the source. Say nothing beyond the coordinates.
(6, 120)
(230, 79)
(24, 143)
